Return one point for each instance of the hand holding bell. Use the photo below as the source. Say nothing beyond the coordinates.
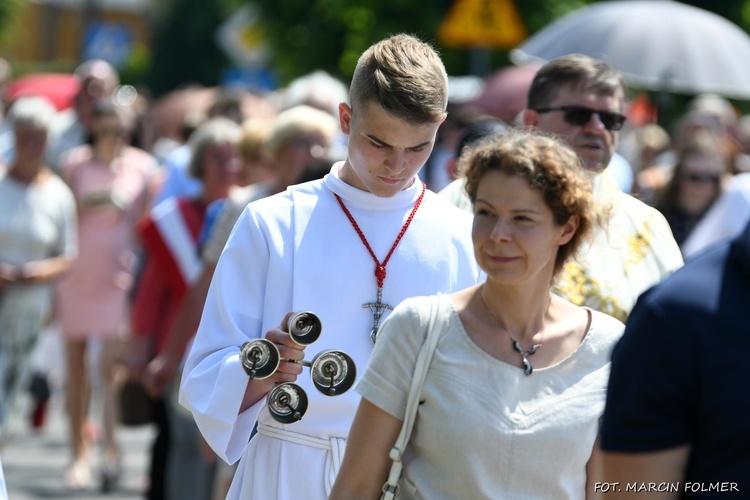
(332, 372)
(280, 350)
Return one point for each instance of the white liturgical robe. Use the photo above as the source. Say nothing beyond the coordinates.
(632, 250)
(297, 251)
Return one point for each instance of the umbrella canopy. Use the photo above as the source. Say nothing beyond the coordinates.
(505, 91)
(59, 88)
(656, 44)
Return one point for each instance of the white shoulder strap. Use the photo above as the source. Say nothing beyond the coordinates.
(424, 358)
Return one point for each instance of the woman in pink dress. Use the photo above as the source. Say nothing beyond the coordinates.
(110, 182)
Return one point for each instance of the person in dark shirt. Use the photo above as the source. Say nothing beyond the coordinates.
(678, 402)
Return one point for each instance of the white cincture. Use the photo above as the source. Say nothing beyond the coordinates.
(334, 445)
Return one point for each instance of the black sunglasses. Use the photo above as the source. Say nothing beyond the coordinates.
(701, 178)
(580, 115)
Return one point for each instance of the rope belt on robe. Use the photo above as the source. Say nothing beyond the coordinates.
(334, 446)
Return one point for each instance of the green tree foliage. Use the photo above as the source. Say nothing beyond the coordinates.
(7, 11)
(183, 50)
(331, 34)
(305, 35)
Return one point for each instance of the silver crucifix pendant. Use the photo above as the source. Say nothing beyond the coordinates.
(377, 309)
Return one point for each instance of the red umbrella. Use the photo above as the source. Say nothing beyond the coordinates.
(505, 91)
(59, 88)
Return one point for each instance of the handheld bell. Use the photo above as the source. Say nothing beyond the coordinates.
(287, 402)
(260, 358)
(333, 372)
(305, 327)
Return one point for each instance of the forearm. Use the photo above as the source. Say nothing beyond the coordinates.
(43, 270)
(666, 467)
(255, 391)
(340, 492)
(178, 337)
(366, 461)
(139, 352)
(594, 473)
(188, 318)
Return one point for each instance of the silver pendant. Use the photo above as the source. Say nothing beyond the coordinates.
(527, 368)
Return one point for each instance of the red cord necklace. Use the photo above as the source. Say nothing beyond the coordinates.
(378, 307)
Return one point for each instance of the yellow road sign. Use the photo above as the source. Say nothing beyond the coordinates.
(482, 24)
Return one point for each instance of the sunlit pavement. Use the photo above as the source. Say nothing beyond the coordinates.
(34, 462)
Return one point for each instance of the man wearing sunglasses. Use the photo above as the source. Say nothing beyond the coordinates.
(582, 100)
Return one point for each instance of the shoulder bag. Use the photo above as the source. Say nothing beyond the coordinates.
(392, 487)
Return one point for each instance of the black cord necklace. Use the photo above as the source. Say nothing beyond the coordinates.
(525, 364)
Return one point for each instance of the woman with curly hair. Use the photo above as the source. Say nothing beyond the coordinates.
(517, 382)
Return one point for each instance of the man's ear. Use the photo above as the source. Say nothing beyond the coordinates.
(345, 118)
(530, 118)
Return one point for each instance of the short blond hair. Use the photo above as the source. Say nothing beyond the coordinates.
(211, 133)
(405, 76)
(255, 134)
(302, 119)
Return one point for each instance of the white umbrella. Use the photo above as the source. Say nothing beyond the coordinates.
(657, 44)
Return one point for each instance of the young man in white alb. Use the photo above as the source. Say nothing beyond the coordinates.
(348, 248)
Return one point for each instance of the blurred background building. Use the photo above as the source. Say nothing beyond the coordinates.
(72, 30)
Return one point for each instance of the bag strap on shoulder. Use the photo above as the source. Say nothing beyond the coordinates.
(424, 358)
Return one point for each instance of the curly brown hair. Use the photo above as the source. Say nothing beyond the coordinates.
(547, 164)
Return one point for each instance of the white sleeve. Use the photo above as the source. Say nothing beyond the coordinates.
(3, 491)
(214, 382)
(725, 219)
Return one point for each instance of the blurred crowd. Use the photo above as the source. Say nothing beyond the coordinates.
(106, 208)
(113, 213)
